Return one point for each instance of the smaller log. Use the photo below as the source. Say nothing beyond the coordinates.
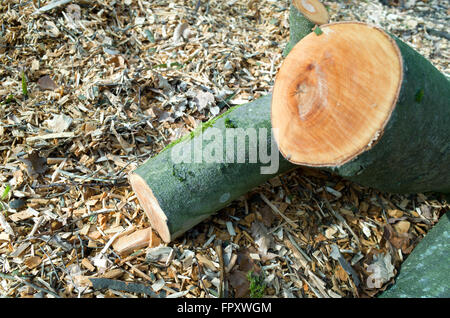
(360, 102)
(303, 16)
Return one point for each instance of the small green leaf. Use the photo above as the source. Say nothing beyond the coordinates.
(5, 192)
(176, 64)
(24, 85)
(317, 30)
(419, 95)
(163, 65)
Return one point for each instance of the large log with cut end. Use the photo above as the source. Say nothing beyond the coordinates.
(364, 104)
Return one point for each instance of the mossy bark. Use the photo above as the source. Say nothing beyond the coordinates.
(189, 192)
(413, 154)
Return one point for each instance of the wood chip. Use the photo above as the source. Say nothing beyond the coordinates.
(87, 264)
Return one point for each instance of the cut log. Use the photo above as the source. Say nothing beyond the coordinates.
(303, 16)
(176, 194)
(364, 104)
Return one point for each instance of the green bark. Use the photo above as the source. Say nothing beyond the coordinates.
(425, 273)
(190, 192)
(413, 154)
(299, 27)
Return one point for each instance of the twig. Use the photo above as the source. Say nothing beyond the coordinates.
(197, 5)
(200, 273)
(336, 255)
(111, 240)
(139, 272)
(8, 229)
(296, 252)
(298, 247)
(130, 287)
(36, 226)
(51, 263)
(51, 6)
(222, 268)
(342, 220)
(74, 176)
(113, 182)
(20, 279)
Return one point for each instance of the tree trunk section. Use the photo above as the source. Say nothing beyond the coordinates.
(178, 195)
(365, 105)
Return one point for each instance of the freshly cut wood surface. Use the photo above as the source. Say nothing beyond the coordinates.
(335, 93)
(151, 206)
(313, 10)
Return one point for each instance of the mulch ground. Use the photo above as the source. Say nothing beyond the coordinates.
(91, 89)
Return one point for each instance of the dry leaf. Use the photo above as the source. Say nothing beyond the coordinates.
(394, 213)
(35, 164)
(341, 273)
(181, 32)
(267, 216)
(46, 82)
(402, 227)
(245, 262)
(32, 262)
(426, 211)
(203, 99)
(381, 270)
(238, 280)
(59, 123)
(263, 240)
(74, 11)
(165, 116)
